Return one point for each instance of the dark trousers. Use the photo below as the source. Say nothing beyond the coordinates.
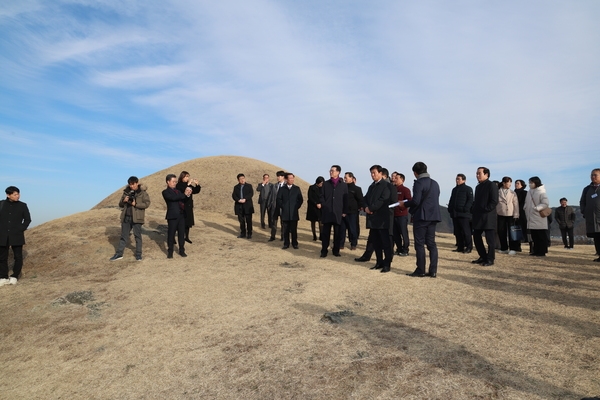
(382, 247)
(273, 224)
(567, 232)
(540, 241)
(176, 225)
(424, 234)
(401, 234)
(369, 249)
(326, 237)
(18, 254)
(504, 224)
(263, 211)
(490, 239)
(349, 225)
(126, 227)
(245, 223)
(290, 228)
(462, 229)
(596, 237)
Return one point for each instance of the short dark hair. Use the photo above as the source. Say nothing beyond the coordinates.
(320, 179)
(287, 175)
(401, 176)
(170, 176)
(239, 176)
(419, 168)
(337, 168)
(266, 175)
(132, 179)
(521, 181)
(486, 171)
(379, 168)
(384, 171)
(12, 189)
(536, 181)
(506, 179)
(461, 176)
(350, 174)
(280, 173)
(564, 198)
(182, 175)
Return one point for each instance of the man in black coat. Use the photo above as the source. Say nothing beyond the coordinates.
(14, 220)
(289, 201)
(425, 210)
(459, 207)
(175, 216)
(334, 206)
(377, 201)
(350, 221)
(243, 207)
(484, 217)
(273, 210)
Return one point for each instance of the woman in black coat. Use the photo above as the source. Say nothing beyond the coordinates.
(521, 195)
(183, 182)
(313, 214)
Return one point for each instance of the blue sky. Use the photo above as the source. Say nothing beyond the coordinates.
(92, 92)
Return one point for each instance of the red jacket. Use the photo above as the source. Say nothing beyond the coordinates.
(403, 194)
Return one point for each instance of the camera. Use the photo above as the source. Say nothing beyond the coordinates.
(131, 196)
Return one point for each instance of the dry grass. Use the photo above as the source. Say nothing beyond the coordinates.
(243, 319)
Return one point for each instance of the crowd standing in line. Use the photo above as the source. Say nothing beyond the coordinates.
(334, 205)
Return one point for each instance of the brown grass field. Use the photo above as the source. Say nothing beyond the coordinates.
(243, 319)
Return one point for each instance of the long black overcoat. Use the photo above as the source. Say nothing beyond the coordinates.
(334, 202)
(377, 200)
(189, 202)
(289, 201)
(484, 205)
(14, 220)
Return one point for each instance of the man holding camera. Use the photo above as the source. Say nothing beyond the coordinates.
(134, 202)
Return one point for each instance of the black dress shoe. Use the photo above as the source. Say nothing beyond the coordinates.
(170, 255)
(323, 255)
(487, 264)
(432, 275)
(597, 259)
(182, 254)
(478, 261)
(376, 266)
(188, 240)
(285, 247)
(384, 270)
(415, 275)
(337, 255)
(295, 247)
(468, 251)
(240, 236)
(362, 259)
(458, 251)
(271, 239)
(249, 237)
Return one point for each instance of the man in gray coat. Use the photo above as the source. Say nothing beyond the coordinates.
(264, 193)
(590, 208)
(484, 217)
(14, 220)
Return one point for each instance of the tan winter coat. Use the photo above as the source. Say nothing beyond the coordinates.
(539, 197)
(508, 203)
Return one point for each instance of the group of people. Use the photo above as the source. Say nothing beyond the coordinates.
(493, 209)
(178, 196)
(334, 206)
(515, 217)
